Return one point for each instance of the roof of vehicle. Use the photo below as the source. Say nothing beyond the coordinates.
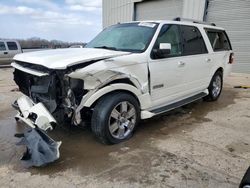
(184, 22)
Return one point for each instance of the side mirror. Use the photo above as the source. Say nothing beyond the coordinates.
(163, 51)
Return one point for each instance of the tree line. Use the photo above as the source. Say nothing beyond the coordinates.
(37, 43)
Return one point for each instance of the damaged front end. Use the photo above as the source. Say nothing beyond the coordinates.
(50, 98)
(53, 88)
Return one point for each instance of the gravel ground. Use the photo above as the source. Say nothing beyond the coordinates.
(199, 145)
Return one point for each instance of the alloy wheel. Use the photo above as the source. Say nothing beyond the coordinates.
(122, 120)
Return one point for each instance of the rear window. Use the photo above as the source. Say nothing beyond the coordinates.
(2, 46)
(12, 45)
(193, 41)
(218, 40)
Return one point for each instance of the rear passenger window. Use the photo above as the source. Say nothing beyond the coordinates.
(219, 40)
(12, 45)
(2, 46)
(193, 41)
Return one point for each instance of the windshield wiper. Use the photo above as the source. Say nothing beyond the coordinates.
(107, 47)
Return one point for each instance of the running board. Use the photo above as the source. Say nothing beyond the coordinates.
(178, 104)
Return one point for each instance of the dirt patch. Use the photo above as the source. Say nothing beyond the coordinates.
(239, 147)
(199, 145)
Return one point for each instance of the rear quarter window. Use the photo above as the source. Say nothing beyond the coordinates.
(218, 40)
(12, 46)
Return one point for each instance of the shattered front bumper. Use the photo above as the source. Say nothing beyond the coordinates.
(40, 148)
(34, 115)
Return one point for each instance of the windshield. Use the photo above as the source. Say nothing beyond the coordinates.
(131, 37)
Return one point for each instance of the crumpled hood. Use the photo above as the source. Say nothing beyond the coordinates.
(63, 58)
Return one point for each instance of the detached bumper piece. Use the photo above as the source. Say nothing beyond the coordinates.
(34, 115)
(40, 148)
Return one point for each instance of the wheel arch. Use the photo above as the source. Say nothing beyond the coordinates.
(112, 88)
(213, 72)
(220, 69)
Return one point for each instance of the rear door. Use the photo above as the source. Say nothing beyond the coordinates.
(4, 55)
(196, 61)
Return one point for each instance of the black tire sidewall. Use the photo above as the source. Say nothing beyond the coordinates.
(101, 114)
(211, 96)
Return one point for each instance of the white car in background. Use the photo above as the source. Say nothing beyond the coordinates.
(77, 46)
(8, 49)
(129, 72)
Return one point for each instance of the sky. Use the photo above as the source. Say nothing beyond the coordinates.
(66, 20)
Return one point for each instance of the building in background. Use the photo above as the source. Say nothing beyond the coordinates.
(233, 15)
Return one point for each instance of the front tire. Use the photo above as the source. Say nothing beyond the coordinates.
(115, 117)
(215, 87)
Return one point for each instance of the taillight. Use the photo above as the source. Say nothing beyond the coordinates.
(231, 58)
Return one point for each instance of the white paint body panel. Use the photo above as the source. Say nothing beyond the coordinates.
(63, 58)
(27, 70)
(144, 73)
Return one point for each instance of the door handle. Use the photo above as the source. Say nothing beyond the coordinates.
(181, 63)
(5, 53)
(208, 60)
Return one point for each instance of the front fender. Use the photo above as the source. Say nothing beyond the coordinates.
(114, 87)
(93, 95)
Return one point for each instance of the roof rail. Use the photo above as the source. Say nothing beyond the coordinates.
(193, 21)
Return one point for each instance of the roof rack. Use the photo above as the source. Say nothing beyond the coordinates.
(193, 21)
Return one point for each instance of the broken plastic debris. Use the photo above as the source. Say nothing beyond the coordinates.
(40, 148)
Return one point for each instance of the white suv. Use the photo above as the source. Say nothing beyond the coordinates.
(129, 72)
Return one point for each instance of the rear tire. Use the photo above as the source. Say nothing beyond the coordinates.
(215, 87)
(115, 117)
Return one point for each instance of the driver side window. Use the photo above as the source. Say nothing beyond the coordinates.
(170, 34)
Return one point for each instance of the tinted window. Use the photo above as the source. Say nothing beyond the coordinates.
(170, 34)
(12, 45)
(219, 40)
(193, 41)
(2, 46)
